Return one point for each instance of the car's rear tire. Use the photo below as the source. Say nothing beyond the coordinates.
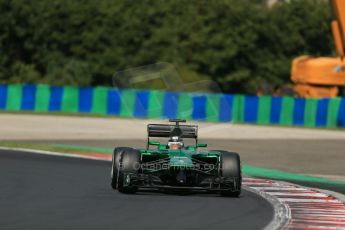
(230, 167)
(130, 164)
(115, 165)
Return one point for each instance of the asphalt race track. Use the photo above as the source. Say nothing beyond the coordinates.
(50, 192)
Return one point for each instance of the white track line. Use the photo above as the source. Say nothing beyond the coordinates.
(43, 152)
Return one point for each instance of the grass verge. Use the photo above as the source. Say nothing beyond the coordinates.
(248, 170)
(56, 148)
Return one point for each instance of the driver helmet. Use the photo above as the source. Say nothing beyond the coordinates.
(175, 143)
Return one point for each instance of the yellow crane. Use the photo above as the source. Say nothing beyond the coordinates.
(322, 76)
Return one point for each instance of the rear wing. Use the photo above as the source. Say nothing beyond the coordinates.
(162, 130)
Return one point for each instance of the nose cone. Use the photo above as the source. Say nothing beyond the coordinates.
(180, 159)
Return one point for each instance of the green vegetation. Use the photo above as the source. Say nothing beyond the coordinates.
(240, 44)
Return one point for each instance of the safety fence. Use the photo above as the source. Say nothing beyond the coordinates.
(327, 112)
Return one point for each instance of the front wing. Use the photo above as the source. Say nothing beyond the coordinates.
(151, 182)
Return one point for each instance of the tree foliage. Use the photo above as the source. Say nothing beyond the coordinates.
(239, 44)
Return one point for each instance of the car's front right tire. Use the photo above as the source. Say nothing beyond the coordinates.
(116, 165)
(129, 167)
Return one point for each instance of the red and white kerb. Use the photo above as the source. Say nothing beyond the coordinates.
(309, 209)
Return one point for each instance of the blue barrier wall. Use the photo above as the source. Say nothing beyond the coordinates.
(326, 112)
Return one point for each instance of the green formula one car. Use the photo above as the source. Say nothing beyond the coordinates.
(174, 166)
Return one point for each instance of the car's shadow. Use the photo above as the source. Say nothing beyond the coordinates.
(181, 194)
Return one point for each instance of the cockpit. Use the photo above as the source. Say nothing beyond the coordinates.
(175, 142)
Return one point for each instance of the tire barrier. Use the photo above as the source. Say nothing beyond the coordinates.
(263, 110)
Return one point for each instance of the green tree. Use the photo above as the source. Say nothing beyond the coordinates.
(239, 44)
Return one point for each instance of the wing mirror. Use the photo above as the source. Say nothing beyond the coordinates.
(201, 145)
(154, 143)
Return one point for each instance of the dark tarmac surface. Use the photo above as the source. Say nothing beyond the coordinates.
(49, 192)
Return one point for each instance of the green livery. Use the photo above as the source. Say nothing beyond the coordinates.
(175, 166)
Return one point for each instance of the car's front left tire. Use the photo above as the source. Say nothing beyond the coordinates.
(230, 170)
